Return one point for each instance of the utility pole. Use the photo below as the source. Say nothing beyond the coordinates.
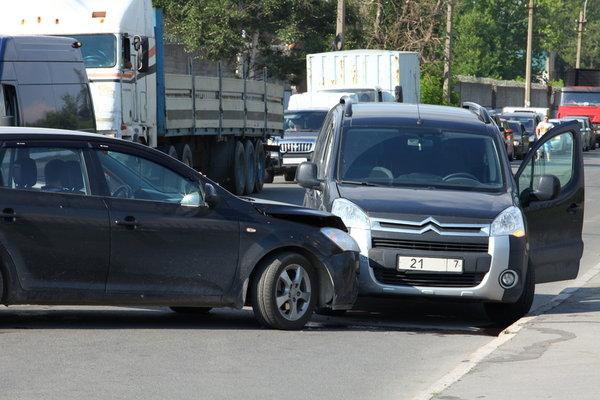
(447, 91)
(528, 57)
(580, 27)
(341, 25)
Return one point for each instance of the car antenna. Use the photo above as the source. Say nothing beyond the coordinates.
(419, 121)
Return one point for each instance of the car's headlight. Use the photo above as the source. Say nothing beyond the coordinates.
(352, 215)
(509, 222)
(341, 239)
(357, 222)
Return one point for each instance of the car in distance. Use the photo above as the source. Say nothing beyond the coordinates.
(429, 195)
(516, 133)
(587, 133)
(90, 220)
(529, 119)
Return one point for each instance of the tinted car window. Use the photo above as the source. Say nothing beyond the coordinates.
(528, 122)
(133, 177)
(57, 170)
(420, 158)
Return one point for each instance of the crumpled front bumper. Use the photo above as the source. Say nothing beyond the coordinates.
(343, 269)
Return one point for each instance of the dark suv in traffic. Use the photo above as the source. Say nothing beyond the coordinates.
(429, 195)
(88, 220)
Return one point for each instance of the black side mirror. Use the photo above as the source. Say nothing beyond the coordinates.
(211, 196)
(306, 175)
(548, 188)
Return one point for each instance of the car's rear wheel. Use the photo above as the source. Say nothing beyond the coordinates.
(284, 292)
(191, 310)
(503, 314)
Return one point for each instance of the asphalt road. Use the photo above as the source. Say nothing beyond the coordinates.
(391, 352)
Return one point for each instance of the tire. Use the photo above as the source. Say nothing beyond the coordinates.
(191, 310)
(289, 175)
(169, 150)
(250, 167)
(503, 314)
(259, 182)
(275, 280)
(269, 176)
(238, 169)
(186, 155)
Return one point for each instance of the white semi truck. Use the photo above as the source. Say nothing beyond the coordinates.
(216, 124)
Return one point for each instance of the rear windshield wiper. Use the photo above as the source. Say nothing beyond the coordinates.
(357, 183)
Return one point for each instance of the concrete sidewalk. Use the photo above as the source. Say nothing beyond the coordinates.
(555, 356)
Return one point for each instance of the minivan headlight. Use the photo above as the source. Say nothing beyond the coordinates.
(509, 222)
(341, 239)
(351, 214)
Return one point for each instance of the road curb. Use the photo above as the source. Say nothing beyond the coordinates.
(506, 335)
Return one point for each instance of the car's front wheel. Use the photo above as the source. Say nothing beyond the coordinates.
(502, 314)
(284, 292)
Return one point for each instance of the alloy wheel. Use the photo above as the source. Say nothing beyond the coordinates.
(293, 292)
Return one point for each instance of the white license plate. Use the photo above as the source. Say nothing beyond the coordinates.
(427, 264)
(294, 160)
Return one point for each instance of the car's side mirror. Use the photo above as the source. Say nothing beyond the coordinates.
(548, 188)
(211, 196)
(306, 175)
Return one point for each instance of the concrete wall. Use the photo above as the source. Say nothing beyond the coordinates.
(497, 93)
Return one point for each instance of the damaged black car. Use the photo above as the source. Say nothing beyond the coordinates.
(89, 220)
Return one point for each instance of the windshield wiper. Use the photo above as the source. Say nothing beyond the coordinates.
(357, 183)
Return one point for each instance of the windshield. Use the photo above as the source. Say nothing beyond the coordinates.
(99, 51)
(415, 157)
(580, 98)
(304, 121)
(528, 122)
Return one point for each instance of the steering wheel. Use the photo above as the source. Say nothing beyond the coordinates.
(123, 192)
(459, 175)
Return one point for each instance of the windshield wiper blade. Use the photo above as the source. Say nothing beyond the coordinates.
(357, 183)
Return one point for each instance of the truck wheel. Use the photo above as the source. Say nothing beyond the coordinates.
(284, 293)
(289, 175)
(185, 152)
(250, 166)
(169, 150)
(238, 169)
(503, 314)
(260, 167)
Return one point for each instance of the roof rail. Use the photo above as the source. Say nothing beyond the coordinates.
(478, 110)
(347, 102)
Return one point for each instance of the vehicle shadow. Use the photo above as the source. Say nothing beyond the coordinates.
(376, 315)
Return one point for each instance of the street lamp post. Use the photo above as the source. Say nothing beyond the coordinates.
(580, 27)
(528, 57)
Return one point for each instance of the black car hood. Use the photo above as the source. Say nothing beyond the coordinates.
(417, 204)
(298, 214)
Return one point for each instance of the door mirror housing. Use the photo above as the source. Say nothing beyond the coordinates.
(191, 200)
(211, 196)
(306, 175)
(548, 188)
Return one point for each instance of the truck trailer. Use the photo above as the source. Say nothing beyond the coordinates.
(219, 125)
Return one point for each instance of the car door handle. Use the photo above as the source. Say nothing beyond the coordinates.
(8, 215)
(128, 222)
(573, 208)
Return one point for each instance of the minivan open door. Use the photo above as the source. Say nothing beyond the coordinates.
(552, 193)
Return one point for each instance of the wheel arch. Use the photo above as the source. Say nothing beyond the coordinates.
(8, 276)
(324, 279)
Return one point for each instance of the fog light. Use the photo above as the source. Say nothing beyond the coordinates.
(508, 279)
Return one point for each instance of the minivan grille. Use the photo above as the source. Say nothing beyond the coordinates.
(429, 246)
(393, 277)
(296, 147)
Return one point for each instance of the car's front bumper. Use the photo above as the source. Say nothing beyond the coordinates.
(504, 253)
(342, 270)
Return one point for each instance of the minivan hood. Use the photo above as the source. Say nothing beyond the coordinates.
(417, 204)
(298, 214)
